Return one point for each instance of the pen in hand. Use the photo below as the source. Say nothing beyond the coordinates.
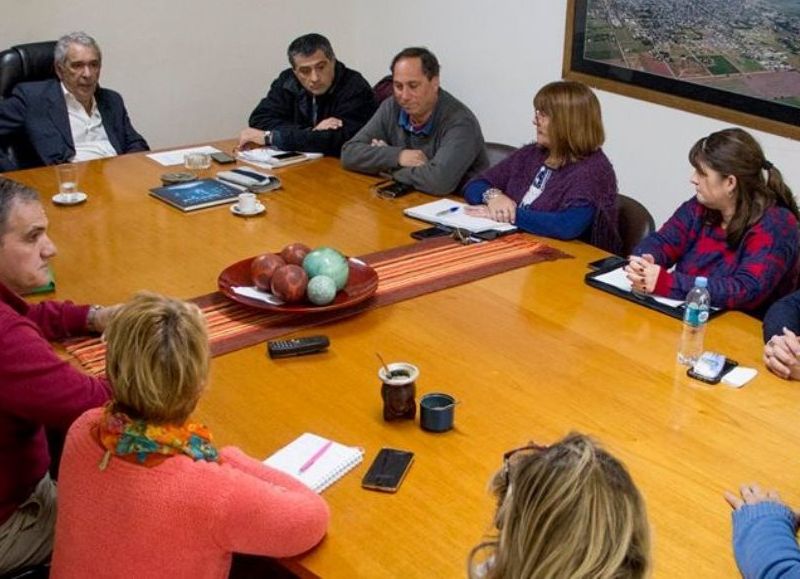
(310, 462)
(446, 211)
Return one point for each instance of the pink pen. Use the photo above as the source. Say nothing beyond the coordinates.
(310, 462)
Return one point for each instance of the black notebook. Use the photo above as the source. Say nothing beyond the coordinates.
(613, 280)
(197, 194)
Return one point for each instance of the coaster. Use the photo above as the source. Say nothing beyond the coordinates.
(174, 178)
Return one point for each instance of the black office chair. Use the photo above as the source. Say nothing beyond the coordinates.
(383, 89)
(23, 63)
(497, 152)
(26, 62)
(634, 223)
(35, 572)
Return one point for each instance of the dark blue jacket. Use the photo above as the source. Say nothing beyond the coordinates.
(35, 115)
(287, 112)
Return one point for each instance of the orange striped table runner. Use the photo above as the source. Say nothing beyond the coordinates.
(403, 272)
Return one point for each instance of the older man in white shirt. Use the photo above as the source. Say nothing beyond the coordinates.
(69, 119)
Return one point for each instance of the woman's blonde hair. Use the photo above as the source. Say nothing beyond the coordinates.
(157, 358)
(576, 125)
(569, 510)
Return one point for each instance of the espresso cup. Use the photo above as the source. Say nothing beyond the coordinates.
(247, 202)
(436, 412)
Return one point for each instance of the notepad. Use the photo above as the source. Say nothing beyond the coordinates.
(451, 214)
(329, 467)
(268, 158)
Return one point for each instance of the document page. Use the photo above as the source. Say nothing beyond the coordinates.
(451, 214)
(169, 158)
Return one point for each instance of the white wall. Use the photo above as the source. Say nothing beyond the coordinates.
(192, 70)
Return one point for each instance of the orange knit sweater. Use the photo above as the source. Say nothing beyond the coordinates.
(178, 519)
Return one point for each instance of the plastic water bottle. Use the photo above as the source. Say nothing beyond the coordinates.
(695, 317)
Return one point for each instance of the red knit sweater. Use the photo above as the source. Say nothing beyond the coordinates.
(37, 390)
(179, 519)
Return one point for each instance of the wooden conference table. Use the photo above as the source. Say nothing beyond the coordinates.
(531, 354)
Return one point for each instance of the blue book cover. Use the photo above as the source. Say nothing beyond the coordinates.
(197, 194)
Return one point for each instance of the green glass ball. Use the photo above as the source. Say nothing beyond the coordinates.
(327, 261)
(321, 290)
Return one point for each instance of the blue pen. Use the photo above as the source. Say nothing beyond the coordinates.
(446, 211)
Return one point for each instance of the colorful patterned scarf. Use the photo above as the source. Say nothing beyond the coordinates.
(150, 444)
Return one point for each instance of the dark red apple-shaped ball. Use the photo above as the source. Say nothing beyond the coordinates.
(263, 268)
(289, 283)
(295, 253)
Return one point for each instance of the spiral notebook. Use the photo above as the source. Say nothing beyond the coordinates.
(316, 461)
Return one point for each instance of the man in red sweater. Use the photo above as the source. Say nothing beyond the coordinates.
(38, 390)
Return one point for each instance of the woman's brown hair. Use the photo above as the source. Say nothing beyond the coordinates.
(759, 184)
(576, 125)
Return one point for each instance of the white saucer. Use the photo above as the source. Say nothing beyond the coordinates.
(69, 198)
(257, 211)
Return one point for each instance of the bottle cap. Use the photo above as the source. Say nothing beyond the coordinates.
(700, 281)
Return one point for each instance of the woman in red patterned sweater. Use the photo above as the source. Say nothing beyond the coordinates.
(740, 230)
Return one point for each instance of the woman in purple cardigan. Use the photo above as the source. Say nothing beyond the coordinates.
(561, 186)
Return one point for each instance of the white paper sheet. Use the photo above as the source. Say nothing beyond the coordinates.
(256, 294)
(169, 158)
(451, 214)
(617, 278)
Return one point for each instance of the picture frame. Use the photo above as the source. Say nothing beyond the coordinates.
(734, 67)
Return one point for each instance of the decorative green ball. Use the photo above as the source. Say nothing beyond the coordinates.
(321, 290)
(327, 261)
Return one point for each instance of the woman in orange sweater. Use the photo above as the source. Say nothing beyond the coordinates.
(143, 491)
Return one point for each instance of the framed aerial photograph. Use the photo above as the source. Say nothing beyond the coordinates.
(734, 60)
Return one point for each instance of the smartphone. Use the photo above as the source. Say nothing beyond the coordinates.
(223, 158)
(287, 155)
(611, 262)
(388, 470)
(429, 232)
(710, 368)
(394, 190)
(254, 175)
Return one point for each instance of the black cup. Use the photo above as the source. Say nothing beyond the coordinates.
(436, 412)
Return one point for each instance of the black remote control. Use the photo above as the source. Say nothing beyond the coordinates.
(297, 346)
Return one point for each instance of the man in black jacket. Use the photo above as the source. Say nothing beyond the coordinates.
(315, 106)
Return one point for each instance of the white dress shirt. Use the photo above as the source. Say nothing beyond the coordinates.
(88, 134)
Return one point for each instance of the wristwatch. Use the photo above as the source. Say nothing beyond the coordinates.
(490, 194)
(90, 318)
(267, 138)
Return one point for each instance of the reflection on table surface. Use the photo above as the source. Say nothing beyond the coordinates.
(531, 354)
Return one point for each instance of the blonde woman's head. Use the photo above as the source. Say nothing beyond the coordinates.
(569, 510)
(157, 358)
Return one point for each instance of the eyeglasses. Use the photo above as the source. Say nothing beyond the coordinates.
(507, 459)
(464, 237)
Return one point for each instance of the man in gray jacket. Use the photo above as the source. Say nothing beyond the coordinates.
(424, 136)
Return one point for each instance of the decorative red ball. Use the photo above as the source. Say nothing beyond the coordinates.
(263, 268)
(295, 253)
(289, 283)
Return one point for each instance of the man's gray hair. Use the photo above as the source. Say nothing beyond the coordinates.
(11, 191)
(60, 55)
